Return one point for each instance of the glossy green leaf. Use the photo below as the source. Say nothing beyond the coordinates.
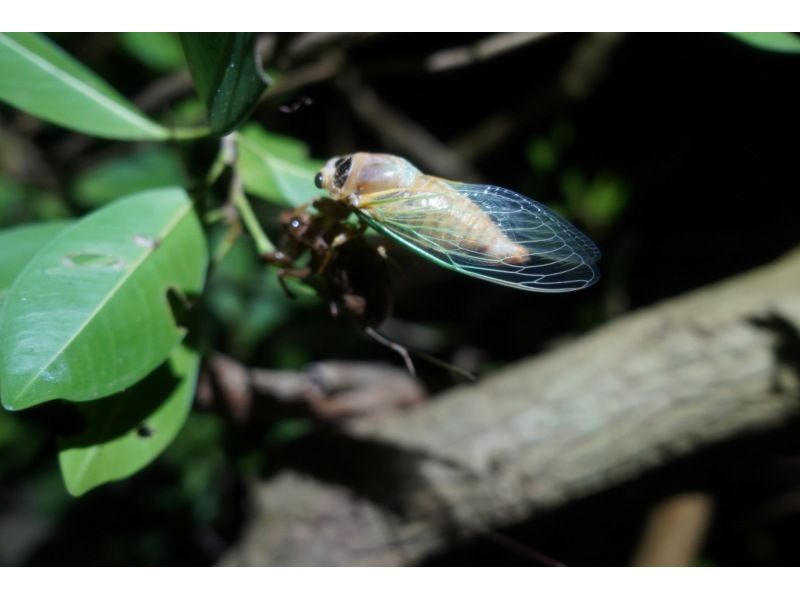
(277, 168)
(770, 41)
(225, 74)
(158, 50)
(148, 169)
(19, 244)
(40, 78)
(124, 433)
(89, 315)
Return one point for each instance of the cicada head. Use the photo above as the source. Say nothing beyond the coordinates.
(363, 173)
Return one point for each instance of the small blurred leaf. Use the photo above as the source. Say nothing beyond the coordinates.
(542, 155)
(158, 50)
(148, 169)
(18, 245)
(226, 75)
(277, 168)
(187, 112)
(89, 315)
(770, 41)
(598, 203)
(125, 433)
(40, 78)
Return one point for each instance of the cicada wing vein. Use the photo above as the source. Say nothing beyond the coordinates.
(557, 256)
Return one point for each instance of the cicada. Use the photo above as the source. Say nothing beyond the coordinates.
(480, 230)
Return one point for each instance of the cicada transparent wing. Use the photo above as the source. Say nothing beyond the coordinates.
(554, 256)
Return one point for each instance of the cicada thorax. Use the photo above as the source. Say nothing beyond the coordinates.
(462, 223)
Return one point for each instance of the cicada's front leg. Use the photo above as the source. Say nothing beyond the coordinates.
(348, 233)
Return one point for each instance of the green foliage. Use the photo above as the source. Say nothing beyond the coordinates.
(277, 168)
(89, 315)
(160, 51)
(770, 41)
(126, 432)
(598, 202)
(22, 202)
(38, 77)
(226, 74)
(138, 171)
(94, 311)
(19, 245)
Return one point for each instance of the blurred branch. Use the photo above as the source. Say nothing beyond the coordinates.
(331, 390)
(577, 80)
(642, 390)
(299, 77)
(164, 90)
(675, 531)
(398, 131)
(305, 45)
(485, 49)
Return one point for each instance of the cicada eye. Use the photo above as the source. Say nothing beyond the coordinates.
(318, 180)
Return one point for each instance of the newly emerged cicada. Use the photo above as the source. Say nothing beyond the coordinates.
(479, 230)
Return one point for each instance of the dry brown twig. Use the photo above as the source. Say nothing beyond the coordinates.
(332, 390)
(675, 531)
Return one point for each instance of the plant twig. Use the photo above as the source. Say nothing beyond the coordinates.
(399, 131)
(675, 531)
(577, 80)
(485, 49)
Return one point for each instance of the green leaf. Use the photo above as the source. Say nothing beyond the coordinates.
(277, 168)
(158, 50)
(18, 245)
(40, 78)
(226, 76)
(148, 169)
(770, 41)
(124, 433)
(89, 315)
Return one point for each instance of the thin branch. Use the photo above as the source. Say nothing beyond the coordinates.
(485, 49)
(578, 79)
(675, 531)
(399, 131)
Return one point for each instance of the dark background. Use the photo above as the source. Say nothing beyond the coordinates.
(695, 139)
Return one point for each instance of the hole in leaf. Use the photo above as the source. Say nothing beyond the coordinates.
(92, 260)
(144, 430)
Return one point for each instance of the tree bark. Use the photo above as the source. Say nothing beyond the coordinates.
(642, 390)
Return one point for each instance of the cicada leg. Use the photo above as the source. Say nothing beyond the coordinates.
(337, 242)
(396, 347)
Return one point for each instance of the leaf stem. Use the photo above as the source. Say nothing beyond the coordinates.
(239, 199)
(185, 133)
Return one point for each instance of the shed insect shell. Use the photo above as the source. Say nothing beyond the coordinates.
(479, 230)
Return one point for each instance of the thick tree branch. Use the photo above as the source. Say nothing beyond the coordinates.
(636, 393)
